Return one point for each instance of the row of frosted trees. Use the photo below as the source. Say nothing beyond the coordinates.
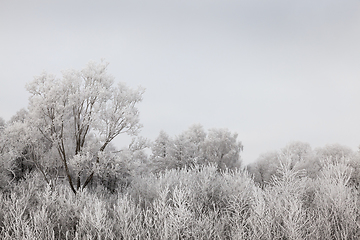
(195, 146)
(61, 178)
(71, 121)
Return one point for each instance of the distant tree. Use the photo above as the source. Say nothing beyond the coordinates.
(182, 152)
(195, 146)
(186, 149)
(300, 156)
(160, 147)
(135, 156)
(196, 135)
(222, 148)
(264, 168)
(160, 152)
(20, 116)
(295, 156)
(296, 152)
(172, 154)
(67, 111)
(333, 153)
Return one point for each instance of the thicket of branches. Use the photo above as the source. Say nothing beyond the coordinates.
(196, 203)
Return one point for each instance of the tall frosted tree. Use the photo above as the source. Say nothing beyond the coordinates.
(67, 111)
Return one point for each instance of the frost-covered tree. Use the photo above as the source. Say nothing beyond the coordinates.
(161, 145)
(296, 152)
(19, 147)
(183, 152)
(295, 156)
(222, 148)
(195, 146)
(160, 152)
(334, 153)
(265, 167)
(22, 148)
(186, 149)
(67, 111)
(20, 116)
(196, 134)
(119, 167)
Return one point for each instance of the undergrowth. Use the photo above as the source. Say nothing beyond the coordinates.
(196, 203)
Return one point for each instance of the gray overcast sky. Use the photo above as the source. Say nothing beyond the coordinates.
(272, 71)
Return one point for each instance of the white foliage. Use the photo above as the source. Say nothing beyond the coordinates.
(222, 147)
(83, 101)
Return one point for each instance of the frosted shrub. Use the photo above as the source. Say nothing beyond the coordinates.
(238, 192)
(176, 203)
(126, 218)
(43, 218)
(260, 220)
(15, 220)
(17, 208)
(278, 212)
(144, 190)
(67, 212)
(94, 220)
(180, 215)
(336, 204)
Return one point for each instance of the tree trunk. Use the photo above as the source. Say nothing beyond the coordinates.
(63, 157)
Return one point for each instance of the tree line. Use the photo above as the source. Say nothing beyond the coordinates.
(71, 121)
